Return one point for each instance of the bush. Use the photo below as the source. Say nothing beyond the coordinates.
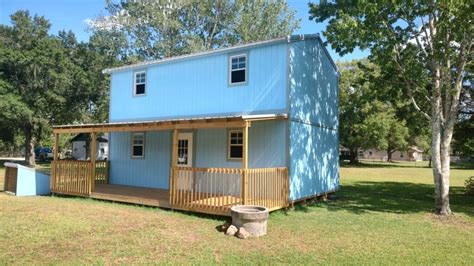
(469, 185)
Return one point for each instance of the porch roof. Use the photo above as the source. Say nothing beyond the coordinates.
(168, 124)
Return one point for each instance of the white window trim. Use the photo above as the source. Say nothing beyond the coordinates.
(229, 132)
(189, 137)
(135, 83)
(143, 145)
(230, 69)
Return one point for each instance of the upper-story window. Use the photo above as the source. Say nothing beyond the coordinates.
(238, 69)
(140, 83)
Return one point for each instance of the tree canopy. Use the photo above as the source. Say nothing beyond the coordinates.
(368, 117)
(145, 30)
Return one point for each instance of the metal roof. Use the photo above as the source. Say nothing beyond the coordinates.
(176, 120)
(288, 39)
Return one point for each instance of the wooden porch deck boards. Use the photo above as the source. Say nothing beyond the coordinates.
(155, 197)
(158, 198)
(137, 195)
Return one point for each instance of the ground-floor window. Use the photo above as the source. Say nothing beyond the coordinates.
(235, 141)
(185, 149)
(138, 145)
(183, 145)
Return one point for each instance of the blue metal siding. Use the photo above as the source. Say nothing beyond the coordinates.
(314, 166)
(267, 146)
(199, 86)
(313, 85)
(151, 171)
(211, 149)
(313, 129)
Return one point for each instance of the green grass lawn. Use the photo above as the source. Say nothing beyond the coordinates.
(380, 216)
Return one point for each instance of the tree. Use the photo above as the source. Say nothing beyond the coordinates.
(463, 137)
(354, 94)
(429, 43)
(367, 119)
(463, 143)
(44, 79)
(396, 138)
(157, 29)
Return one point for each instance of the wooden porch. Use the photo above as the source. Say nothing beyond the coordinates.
(206, 190)
(136, 195)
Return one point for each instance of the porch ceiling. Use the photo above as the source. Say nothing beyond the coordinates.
(168, 124)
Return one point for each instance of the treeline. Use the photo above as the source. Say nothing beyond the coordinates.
(373, 116)
(376, 114)
(47, 79)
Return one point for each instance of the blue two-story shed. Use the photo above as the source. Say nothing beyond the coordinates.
(250, 124)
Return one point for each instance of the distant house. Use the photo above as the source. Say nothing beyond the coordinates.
(81, 144)
(413, 153)
(251, 124)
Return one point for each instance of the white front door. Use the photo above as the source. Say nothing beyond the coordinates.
(185, 149)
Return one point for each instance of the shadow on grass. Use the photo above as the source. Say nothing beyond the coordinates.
(462, 165)
(379, 164)
(376, 164)
(395, 197)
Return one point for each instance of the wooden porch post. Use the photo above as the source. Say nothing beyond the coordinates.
(245, 164)
(52, 184)
(93, 152)
(174, 159)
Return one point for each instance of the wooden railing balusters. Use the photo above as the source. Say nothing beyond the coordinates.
(215, 190)
(74, 177)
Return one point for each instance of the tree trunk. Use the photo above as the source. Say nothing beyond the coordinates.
(29, 147)
(443, 207)
(389, 155)
(442, 132)
(441, 172)
(353, 157)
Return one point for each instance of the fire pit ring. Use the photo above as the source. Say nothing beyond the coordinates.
(252, 218)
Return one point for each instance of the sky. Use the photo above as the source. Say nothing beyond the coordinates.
(72, 14)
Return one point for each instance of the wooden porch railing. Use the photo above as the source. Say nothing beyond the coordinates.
(102, 172)
(74, 177)
(267, 187)
(216, 190)
(213, 190)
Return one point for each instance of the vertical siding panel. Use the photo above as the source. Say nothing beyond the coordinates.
(151, 171)
(267, 146)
